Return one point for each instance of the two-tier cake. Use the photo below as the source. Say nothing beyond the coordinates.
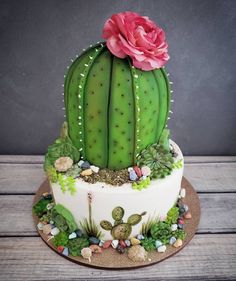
(115, 176)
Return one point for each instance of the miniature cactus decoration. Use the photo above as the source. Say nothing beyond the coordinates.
(121, 230)
(114, 110)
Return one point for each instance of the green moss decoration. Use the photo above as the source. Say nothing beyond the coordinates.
(63, 218)
(66, 183)
(76, 245)
(148, 243)
(178, 164)
(62, 147)
(142, 184)
(61, 239)
(158, 159)
(161, 231)
(179, 234)
(172, 215)
(52, 174)
(40, 207)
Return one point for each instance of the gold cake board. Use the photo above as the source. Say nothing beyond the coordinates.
(110, 258)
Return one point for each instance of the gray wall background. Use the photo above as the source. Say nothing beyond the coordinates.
(38, 38)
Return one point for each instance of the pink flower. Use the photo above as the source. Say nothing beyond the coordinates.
(138, 37)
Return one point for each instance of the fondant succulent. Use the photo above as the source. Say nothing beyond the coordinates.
(161, 231)
(114, 110)
(158, 159)
(121, 230)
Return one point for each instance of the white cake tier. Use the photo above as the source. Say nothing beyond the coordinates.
(156, 200)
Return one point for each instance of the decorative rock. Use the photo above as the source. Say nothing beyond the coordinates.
(134, 241)
(174, 227)
(133, 176)
(47, 228)
(60, 249)
(180, 221)
(181, 210)
(114, 243)
(51, 222)
(40, 226)
(87, 172)
(161, 249)
(140, 237)
(172, 240)
(188, 215)
(146, 171)
(65, 252)
(182, 192)
(63, 164)
(47, 195)
(101, 243)
(95, 249)
(72, 235)
(50, 206)
(137, 253)
(80, 163)
(79, 233)
(94, 240)
(122, 243)
(185, 206)
(130, 169)
(127, 243)
(94, 169)
(138, 171)
(85, 165)
(180, 226)
(143, 178)
(120, 249)
(55, 231)
(178, 243)
(107, 244)
(86, 253)
(158, 243)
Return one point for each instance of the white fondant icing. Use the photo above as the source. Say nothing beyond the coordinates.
(156, 200)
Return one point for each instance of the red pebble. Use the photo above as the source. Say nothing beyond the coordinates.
(187, 215)
(138, 171)
(180, 221)
(107, 244)
(122, 243)
(60, 249)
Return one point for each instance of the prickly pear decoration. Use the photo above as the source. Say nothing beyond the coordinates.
(121, 230)
(113, 109)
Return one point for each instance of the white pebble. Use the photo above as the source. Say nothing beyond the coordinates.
(80, 163)
(130, 169)
(55, 231)
(40, 226)
(72, 235)
(94, 169)
(161, 249)
(114, 243)
(183, 192)
(174, 227)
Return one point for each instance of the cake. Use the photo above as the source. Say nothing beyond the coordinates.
(115, 176)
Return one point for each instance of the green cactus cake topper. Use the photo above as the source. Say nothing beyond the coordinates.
(113, 109)
(121, 230)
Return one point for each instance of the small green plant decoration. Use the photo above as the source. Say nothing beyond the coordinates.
(62, 147)
(88, 225)
(158, 159)
(121, 230)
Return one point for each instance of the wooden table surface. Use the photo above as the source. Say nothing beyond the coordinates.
(211, 255)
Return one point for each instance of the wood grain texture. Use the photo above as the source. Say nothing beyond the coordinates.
(205, 177)
(211, 257)
(17, 210)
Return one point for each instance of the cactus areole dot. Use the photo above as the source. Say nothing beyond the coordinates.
(113, 109)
